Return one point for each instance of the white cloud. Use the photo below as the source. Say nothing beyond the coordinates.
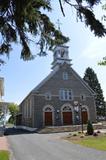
(96, 49)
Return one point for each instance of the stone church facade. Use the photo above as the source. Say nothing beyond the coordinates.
(62, 98)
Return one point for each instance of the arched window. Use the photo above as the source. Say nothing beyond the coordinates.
(48, 109)
(66, 109)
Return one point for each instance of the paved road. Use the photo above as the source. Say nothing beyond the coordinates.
(49, 147)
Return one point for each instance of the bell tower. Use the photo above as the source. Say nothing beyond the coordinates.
(60, 56)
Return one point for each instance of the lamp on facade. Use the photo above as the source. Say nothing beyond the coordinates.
(76, 107)
(58, 111)
(75, 103)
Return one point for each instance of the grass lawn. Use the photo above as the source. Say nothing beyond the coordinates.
(97, 142)
(4, 155)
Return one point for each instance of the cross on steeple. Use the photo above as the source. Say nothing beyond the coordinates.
(58, 23)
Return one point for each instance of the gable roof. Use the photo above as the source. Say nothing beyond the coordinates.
(74, 73)
(45, 80)
(52, 74)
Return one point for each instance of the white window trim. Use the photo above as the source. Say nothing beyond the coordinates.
(65, 93)
(48, 96)
(65, 76)
(24, 110)
(30, 109)
(27, 109)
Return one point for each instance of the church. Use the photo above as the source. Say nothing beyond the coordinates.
(62, 98)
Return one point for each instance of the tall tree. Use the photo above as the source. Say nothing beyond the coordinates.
(22, 19)
(13, 109)
(91, 79)
(1, 114)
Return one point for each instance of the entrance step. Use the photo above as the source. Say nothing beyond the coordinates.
(69, 128)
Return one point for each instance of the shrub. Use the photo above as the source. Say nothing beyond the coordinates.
(98, 131)
(79, 132)
(82, 136)
(74, 134)
(95, 134)
(90, 129)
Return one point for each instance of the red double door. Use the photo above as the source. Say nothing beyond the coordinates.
(84, 117)
(48, 119)
(67, 118)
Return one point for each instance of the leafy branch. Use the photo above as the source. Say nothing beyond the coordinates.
(21, 18)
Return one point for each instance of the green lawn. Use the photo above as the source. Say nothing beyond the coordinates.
(98, 142)
(95, 142)
(4, 155)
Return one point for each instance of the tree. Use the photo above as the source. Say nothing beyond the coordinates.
(1, 114)
(22, 19)
(105, 110)
(91, 79)
(103, 62)
(2, 117)
(90, 129)
(13, 109)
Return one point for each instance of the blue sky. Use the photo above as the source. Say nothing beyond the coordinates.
(85, 50)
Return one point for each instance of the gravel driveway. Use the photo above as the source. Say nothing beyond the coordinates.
(49, 147)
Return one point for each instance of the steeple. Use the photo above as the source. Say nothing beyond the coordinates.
(60, 56)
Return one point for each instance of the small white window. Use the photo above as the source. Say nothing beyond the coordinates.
(65, 94)
(26, 109)
(65, 76)
(30, 108)
(82, 96)
(48, 96)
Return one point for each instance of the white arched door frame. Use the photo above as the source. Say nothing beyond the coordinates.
(70, 106)
(86, 107)
(48, 108)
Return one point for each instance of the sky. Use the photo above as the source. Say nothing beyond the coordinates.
(85, 50)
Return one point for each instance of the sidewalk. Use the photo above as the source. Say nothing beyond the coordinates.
(4, 143)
